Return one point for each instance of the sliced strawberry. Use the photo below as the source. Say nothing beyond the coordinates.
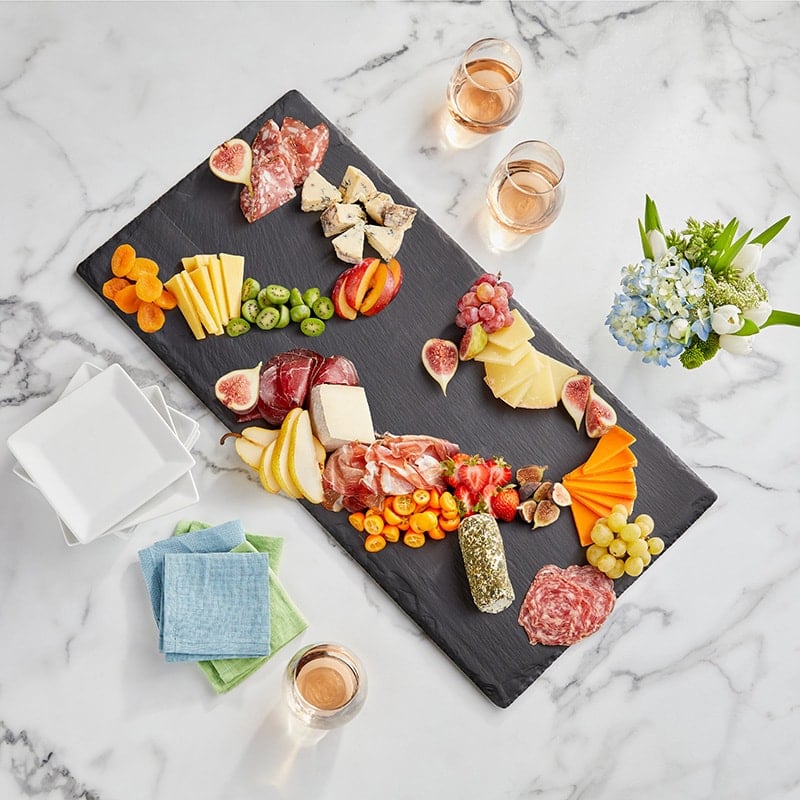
(499, 471)
(473, 474)
(465, 500)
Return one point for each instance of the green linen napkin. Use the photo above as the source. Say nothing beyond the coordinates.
(286, 620)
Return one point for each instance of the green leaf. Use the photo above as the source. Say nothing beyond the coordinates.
(725, 259)
(648, 250)
(748, 328)
(770, 233)
(782, 318)
(722, 242)
(652, 222)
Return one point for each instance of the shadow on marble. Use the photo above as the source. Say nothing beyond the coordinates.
(282, 762)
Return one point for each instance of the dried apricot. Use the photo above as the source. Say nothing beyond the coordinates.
(142, 266)
(150, 317)
(148, 288)
(166, 300)
(122, 260)
(113, 285)
(126, 300)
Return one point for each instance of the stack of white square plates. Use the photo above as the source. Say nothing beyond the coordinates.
(108, 455)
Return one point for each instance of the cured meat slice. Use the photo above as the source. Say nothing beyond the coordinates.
(335, 369)
(292, 127)
(267, 139)
(272, 187)
(563, 606)
(311, 146)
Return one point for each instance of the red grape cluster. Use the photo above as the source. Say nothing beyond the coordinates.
(486, 301)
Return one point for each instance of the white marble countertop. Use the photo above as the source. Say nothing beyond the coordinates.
(690, 690)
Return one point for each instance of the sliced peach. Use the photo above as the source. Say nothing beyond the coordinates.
(380, 291)
(358, 280)
(397, 274)
(340, 304)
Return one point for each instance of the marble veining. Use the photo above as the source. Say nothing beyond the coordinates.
(690, 689)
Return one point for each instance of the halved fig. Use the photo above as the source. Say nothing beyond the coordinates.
(547, 512)
(473, 342)
(560, 495)
(600, 416)
(544, 491)
(233, 161)
(440, 359)
(575, 396)
(238, 389)
(527, 509)
(533, 473)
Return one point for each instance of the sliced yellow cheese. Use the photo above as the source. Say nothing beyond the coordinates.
(541, 392)
(514, 335)
(501, 378)
(197, 301)
(202, 280)
(233, 278)
(186, 306)
(560, 371)
(189, 262)
(218, 287)
(499, 355)
(514, 396)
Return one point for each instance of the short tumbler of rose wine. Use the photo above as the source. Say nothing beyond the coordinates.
(485, 91)
(526, 190)
(325, 686)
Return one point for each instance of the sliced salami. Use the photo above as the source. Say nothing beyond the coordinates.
(563, 606)
(311, 146)
(272, 187)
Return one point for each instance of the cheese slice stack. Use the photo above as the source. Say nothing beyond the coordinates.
(606, 479)
(517, 373)
(209, 292)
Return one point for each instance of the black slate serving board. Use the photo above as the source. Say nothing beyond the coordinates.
(201, 214)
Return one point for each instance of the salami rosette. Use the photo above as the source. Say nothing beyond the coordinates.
(485, 563)
(564, 606)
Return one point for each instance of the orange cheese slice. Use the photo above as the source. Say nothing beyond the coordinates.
(617, 479)
(619, 462)
(584, 519)
(604, 498)
(601, 506)
(616, 441)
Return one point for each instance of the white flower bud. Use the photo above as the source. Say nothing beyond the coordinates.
(758, 314)
(739, 345)
(678, 329)
(725, 319)
(747, 259)
(658, 244)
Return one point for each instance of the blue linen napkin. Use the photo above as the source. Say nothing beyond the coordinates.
(219, 539)
(215, 605)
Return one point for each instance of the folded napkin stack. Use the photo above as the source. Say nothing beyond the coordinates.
(217, 600)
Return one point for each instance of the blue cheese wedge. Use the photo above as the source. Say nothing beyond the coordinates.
(386, 241)
(341, 216)
(376, 206)
(349, 246)
(318, 193)
(398, 217)
(340, 414)
(356, 186)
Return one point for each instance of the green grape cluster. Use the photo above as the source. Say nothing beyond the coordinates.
(620, 547)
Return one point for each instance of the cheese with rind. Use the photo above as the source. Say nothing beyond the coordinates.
(349, 246)
(356, 186)
(340, 414)
(386, 241)
(341, 216)
(318, 193)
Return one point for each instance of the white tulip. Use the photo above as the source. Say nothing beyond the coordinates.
(725, 319)
(747, 259)
(758, 314)
(678, 329)
(740, 345)
(658, 244)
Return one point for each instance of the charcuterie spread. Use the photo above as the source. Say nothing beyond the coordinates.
(453, 448)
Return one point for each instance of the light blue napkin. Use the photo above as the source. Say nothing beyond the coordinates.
(215, 605)
(219, 539)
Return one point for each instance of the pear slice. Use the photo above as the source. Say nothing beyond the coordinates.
(265, 473)
(303, 464)
(280, 456)
(321, 453)
(249, 452)
(261, 436)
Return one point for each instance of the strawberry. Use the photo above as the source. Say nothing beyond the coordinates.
(450, 466)
(505, 502)
(474, 474)
(465, 500)
(499, 471)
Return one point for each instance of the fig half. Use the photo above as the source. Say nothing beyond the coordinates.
(440, 359)
(238, 390)
(233, 161)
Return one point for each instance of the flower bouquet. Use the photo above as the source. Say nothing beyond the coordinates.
(694, 292)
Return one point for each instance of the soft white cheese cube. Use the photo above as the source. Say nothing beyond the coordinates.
(340, 414)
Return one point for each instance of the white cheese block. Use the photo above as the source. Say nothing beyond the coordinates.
(399, 217)
(349, 246)
(356, 186)
(340, 414)
(318, 194)
(386, 241)
(377, 205)
(341, 216)
(512, 336)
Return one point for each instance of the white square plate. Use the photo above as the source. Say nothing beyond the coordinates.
(99, 453)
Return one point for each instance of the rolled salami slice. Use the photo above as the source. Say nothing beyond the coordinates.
(485, 563)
